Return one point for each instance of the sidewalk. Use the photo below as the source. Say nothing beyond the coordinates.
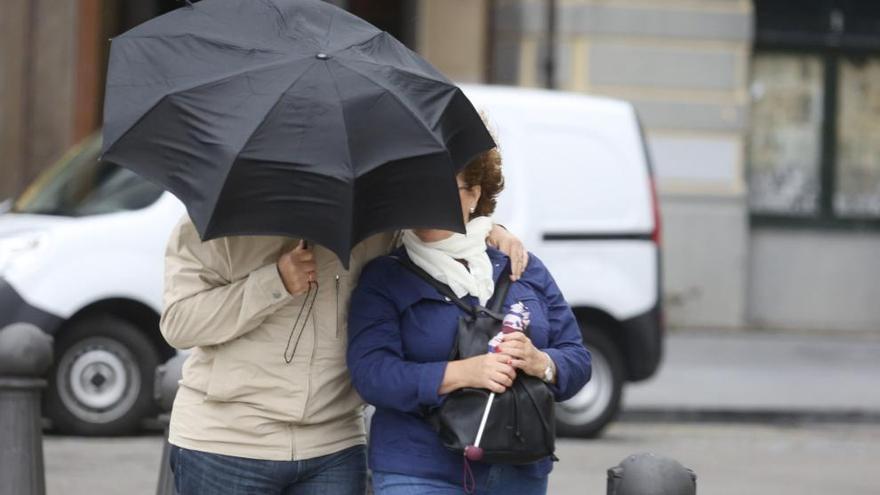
(705, 376)
(718, 375)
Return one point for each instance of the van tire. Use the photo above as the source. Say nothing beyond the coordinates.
(102, 381)
(587, 413)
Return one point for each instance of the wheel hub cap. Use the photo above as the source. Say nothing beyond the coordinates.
(97, 379)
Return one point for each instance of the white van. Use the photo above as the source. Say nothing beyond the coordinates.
(81, 255)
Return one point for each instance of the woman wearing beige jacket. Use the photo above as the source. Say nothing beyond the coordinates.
(265, 404)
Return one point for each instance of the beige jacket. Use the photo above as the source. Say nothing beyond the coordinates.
(225, 300)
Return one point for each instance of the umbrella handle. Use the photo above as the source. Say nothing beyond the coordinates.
(474, 452)
(485, 418)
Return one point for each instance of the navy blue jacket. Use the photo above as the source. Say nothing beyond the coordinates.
(401, 332)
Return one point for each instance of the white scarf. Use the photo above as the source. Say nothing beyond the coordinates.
(439, 259)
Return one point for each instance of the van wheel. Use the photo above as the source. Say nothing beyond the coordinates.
(102, 382)
(597, 404)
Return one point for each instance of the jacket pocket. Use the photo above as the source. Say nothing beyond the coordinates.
(226, 381)
(255, 372)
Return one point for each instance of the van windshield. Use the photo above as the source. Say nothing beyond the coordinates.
(80, 185)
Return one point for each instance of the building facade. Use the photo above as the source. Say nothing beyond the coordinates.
(762, 119)
(814, 166)
(684, 64)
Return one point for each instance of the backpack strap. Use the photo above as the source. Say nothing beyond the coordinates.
(502, 286)
(433, 282)
(493, 306)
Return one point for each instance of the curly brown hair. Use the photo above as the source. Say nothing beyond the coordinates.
(485, 171)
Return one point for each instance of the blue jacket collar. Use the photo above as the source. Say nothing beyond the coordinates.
(413, 285)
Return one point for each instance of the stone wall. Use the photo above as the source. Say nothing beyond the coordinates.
(814, 280)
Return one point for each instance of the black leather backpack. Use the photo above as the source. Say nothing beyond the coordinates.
(520, 428)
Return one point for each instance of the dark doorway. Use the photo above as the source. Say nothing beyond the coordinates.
(133, 12)
(397, 17)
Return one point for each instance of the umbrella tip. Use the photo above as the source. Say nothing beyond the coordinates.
(473, 453)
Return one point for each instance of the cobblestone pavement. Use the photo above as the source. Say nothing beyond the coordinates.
(728, 458)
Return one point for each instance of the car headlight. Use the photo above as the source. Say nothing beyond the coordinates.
(11, 248)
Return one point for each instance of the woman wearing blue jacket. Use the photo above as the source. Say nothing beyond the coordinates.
(402, 330)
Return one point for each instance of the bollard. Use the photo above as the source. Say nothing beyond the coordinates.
(650, 474)
(165, 388)
(25, 356)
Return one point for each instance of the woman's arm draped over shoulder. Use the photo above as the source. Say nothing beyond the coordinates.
(566, 347)
(202, 306)
(379, 371)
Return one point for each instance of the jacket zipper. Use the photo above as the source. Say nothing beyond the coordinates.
(337, 306)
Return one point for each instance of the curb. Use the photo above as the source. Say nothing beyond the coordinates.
(751, 416)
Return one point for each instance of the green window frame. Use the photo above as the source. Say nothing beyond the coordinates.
(834, 48)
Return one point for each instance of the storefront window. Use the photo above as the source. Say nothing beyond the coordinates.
(785, 133)
(814, 152)
(857, 161)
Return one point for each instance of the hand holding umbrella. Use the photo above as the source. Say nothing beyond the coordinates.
(515, 321)
(297, 268)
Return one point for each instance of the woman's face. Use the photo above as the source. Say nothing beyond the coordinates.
(468, 196)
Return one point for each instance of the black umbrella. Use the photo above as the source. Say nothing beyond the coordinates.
(288, 117)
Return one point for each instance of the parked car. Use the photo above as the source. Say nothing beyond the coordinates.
(81, 258)
(81, 254)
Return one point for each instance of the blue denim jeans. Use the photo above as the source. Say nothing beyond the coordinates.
(500, 480)
(203, 473)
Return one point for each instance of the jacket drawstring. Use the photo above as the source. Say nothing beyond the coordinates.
(310, 304)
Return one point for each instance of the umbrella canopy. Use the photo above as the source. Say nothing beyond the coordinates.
(288, 117)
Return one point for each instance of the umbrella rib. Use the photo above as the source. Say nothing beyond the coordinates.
(401, 69)
(214, 41)
(359, 43)
(220, 77)
(275, 104)
(344, 122)
(277, 10)
(405, 71)
(283, 17)
(196, 86)
(329, 27)
(246, 141)
(347, 147)
(408, 72)
(402, 103)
